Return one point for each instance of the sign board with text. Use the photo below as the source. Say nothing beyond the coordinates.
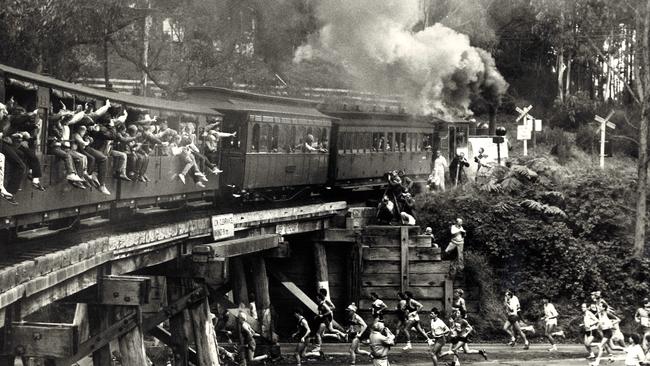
(223, 226)
(523, 132)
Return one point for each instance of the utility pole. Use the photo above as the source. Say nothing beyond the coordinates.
(146, 28)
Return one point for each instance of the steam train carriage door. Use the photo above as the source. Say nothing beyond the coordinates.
(43, 106)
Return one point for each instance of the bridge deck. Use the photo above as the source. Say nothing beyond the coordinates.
(39, 276)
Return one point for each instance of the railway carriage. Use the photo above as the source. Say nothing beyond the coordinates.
(61, 200)
(369, 144)
(269, 157)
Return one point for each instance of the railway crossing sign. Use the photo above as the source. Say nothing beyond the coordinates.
(604, 124)
(524, 131)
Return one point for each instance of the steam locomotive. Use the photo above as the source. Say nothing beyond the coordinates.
(284, 148)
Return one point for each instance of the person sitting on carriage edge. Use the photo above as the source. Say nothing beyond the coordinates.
(56, 148)
(97, 161)
(23, 127)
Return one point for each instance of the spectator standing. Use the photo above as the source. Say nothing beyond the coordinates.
(457, 169)
(381, 339)
(385, 211)
(481, 162)
(457, 241)
(437, 177)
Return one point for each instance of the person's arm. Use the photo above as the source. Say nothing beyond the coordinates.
(382, 306)
(326, 311)
(387, 340)
(417, 306)
(80, 141)
(455, 230)
(76, 118)
(305, 324)
(223, 134)
(309, 147)
(468, 328)
(363, 324)
(103, 109)
(330, 304)
(637, 316)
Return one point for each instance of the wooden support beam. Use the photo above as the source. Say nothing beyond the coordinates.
(238, 280)
(178, 340)
(449, 293)
(124, 290)
(282, 251)
(339, 235)
(296, 291)
(98, 343)
(131, 343)
(31, 339)
(404, 257)
(262, 295)
(235, 247)
(320, 267)
(99, 319)
(204, 334)
(81, 321)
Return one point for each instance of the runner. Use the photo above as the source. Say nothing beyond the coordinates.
(512, 325)
(550, 324)
(402, 317)
(249, 340)
(617, 343)
(332, 332)
(459, 302)
(590, 325)
(605, 325)
(642, 317)
(439, 331)
(356, 331)
(377, 308)
(460, 330)
(302, 333)
(413, 319)
(381, 339)
(324, 320)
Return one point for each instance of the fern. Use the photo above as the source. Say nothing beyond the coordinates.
(554, 211)
(503, 207)
(492, 186)
(524, 172)
(542, 208)
(532, 205)
(511, 184)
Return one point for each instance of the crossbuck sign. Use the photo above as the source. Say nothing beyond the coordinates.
(604, 124)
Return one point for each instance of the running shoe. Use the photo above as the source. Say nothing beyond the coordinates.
(182, 178)
(483, 353)
(553, 349)
(526, 346)
(512, 343)
(407, 347)
(38, 186)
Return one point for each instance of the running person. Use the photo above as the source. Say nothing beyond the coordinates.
(301, 333)
(590, 325)
(333, 332)
(324, 318)
(402, 316)
(439, 330)
(512, 325)
(460, 330)
(459, 302)
(356, 331)
(377, 308)
(249, 340)
(605, 324)
(550, 324)
(642, 318)
(413, 318)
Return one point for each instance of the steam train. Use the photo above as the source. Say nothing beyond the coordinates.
(284, 148)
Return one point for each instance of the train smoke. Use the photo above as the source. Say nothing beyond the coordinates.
(436, 69)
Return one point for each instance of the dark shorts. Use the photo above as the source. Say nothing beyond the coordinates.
(439, 341)
(588, 333)
(607, 333)
(513, 319)
(455, 340)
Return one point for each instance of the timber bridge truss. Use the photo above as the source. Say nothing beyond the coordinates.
(160, 280)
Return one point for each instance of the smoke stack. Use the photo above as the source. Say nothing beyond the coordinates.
(492, 112)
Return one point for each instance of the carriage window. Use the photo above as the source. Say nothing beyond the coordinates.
(300, 138)
(291, 141)
(427, 142)
(325, 138)
(265, 132)
(255, 143)
(390, 142)
(275, 136)
(376, 141)
(400, 142)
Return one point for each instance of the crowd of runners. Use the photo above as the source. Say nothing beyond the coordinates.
(448, 337)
